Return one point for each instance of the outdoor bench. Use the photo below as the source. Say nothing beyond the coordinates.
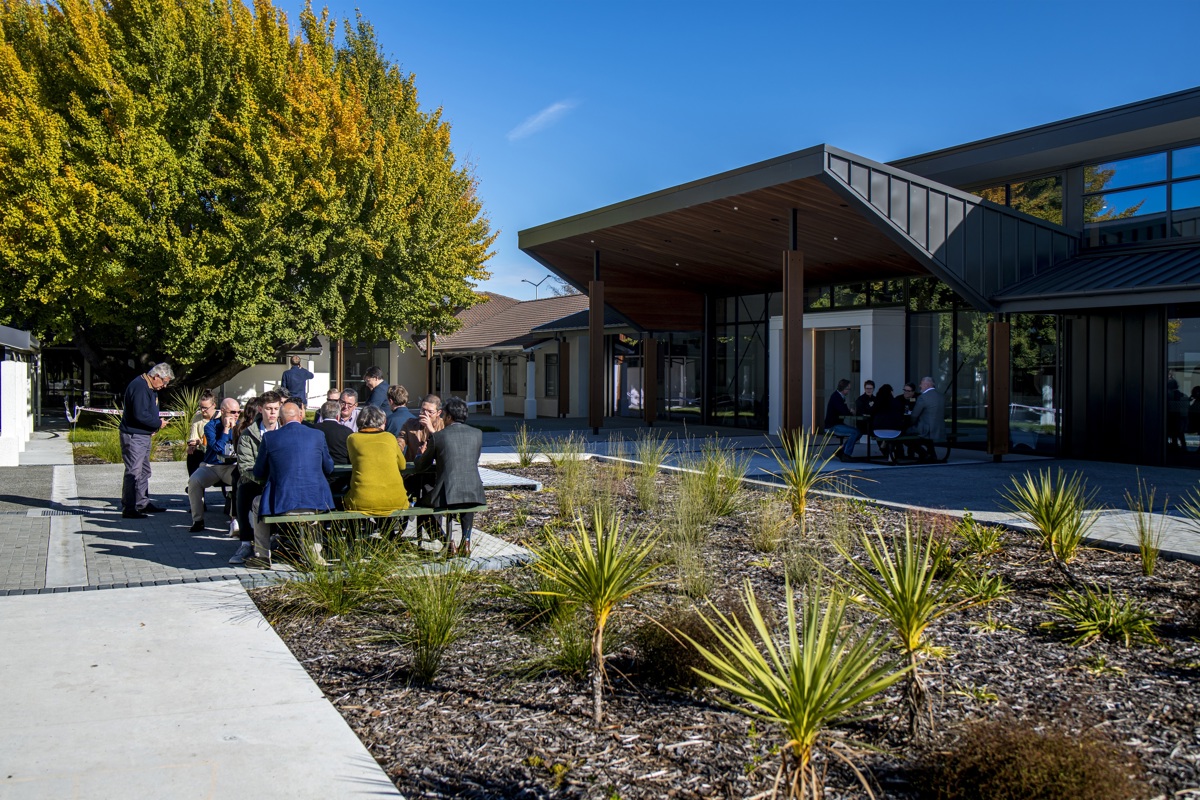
(898, 441)
(333, 516)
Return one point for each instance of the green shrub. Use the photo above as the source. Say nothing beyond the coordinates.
(1084, 616)
(532, 603)
(524, 443)
(618, 451)
(568, 455)
(769, 523)
(1147, 529)
(801, 466)
(980, 585)
(665, 656)
(695, 578)
(1011, 760)
(567, 648)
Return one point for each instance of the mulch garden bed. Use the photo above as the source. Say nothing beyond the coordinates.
(484, 731)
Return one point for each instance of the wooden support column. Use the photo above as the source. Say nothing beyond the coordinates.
(340, 364)
(429, 363)
(564, 378)
(596, 355)
(793, 340)
(649, 379)
(999, 355)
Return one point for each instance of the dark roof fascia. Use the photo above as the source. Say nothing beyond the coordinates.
(1105, 298)
(16, 339)
(1030, 151)
(784, 169)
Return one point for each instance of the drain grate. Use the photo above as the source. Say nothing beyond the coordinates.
(39, 512)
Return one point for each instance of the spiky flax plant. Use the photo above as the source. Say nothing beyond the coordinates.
(898, 585)
(1057, 506)
(825, 672)
(802, 468)
(597, 570)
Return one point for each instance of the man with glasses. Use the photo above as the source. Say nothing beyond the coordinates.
(219, 459)
(349, 411)
(140, 420)
(195, 440)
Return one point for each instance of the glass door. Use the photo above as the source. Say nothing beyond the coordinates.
(836, 355)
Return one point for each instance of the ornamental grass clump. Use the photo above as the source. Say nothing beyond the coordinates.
(596, 570)
(1148, 528)
(1083, 616)
(802, 467)
(1057, 507)
(435, 606)
(823, 673)
(344, 571)
(898, 585)
(524, 443)
(769, 524)
(977, 539)
(649, 451)
(568, 455)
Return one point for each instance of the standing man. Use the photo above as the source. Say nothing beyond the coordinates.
(295, 381)
(139, 422)
(378, 390)
(928, 419)
(835, 410)
(219, 460)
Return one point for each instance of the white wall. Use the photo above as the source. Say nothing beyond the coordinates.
(16, 410)
(881, 353)
(260, 378)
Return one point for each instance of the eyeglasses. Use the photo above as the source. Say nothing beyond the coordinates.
(349, 403)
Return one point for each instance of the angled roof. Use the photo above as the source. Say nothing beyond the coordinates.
(1100, 135)
(492, 305)
(857, 220)
(511, 328)
(1097, 281)
(579, 322)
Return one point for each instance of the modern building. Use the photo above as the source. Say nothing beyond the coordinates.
(1047, 279)
(18, 399)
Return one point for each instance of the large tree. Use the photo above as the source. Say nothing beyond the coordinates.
(192, 180)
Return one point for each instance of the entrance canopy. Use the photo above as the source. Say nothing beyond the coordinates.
(856, 220)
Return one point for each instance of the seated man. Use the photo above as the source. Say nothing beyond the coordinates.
(348, 415)
(336, 437)
(928, 419)
(219, 459)
(835, 410)
(454, 452)
(332, 396)
(292, 463)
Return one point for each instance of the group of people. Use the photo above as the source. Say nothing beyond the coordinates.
(920, 411)
(276, 463)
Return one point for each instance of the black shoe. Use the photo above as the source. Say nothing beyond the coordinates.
(197, 527)
(134, 515)
(150, 508)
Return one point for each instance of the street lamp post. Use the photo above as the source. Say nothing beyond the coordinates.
(535, 285)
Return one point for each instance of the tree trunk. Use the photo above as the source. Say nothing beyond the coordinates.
(598, 676)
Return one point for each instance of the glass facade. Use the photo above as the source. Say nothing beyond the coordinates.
(1034, 411)
(680, 376)
(1039, 197)
(739, 361)
(1183, 390)
(1142, 199)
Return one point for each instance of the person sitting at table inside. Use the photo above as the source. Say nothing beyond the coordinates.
(292, 463)
(888, 421)
(454, 453)
(864, 406)
(376, 467)
(835, 410)
(928, 419)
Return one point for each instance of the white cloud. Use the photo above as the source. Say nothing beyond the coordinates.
(542, 119)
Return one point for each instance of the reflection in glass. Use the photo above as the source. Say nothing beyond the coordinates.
(679, 376)
(1039, 197)
(1123, 205)
(997, 194)
(1034, 409)
(887, 293)
(1185, 208)
(1185, 162)
(1127, 172)
(1182, 388)
(852, 295)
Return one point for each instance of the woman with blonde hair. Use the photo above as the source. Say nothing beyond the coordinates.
(376, 466)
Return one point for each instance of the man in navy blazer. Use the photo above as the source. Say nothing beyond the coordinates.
(293, 463)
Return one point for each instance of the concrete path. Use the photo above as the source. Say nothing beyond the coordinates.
(170, 691)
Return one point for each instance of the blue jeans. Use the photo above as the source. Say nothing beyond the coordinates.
(851, 435)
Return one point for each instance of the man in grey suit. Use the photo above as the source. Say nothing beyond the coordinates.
(454, 453)
(928, 418)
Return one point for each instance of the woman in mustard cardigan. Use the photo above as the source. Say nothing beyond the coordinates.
(376, 464)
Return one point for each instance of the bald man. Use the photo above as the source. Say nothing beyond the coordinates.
(292, 463)
(219, 459)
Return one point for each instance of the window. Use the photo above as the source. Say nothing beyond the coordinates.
(1142, 199)
(1039, 197)
(511, 379)
(551, 375)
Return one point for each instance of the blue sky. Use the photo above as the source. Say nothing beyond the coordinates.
(562, 107)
